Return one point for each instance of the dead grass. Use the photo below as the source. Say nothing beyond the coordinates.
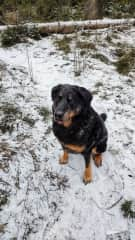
(85, 45)
(10, 114)
(63, 44)
(126, 59)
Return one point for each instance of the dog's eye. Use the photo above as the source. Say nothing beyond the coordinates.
(69, 99)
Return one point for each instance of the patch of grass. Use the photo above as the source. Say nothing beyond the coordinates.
(127, 210)
(2, 228)
(120, 52)
(98, 84)
(85, 33)
(126, 60)
(63, 44)
(9, 109)
(77, 73)
(83, 52)
(44, 112)
(101, 57)
(9, 114)
(85, 45)
(29, 121)
(108, 38)
(3, 198)
(19, 34)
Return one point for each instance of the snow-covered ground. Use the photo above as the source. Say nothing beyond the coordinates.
(44, 200)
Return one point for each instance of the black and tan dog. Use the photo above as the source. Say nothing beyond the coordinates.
(77, 126)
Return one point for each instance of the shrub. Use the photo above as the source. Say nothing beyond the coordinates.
(19, 34)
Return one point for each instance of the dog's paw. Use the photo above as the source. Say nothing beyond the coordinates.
(64, 158)
(97, 157)
(87, 178)
(98, 160)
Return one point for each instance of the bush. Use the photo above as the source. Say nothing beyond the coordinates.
(19, 34)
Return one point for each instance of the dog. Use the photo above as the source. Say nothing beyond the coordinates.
(77, 126)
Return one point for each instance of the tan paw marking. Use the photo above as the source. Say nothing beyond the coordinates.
(64, 158)
(97, 157)
(98, 160)
(87, 175)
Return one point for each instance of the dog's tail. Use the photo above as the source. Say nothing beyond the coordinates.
(103, 116)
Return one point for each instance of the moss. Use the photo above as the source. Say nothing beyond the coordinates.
(127, 210)
(63, 44)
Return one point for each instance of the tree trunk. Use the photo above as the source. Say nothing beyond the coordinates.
(93, 9)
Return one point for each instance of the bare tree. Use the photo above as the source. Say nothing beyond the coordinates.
(93, 9)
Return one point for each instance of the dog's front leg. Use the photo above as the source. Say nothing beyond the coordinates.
(64, 157)
(88, 172)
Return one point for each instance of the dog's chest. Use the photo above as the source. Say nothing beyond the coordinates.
(72, 140)
(74, 148)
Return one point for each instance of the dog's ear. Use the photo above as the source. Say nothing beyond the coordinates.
(55, 91)
(85, 95)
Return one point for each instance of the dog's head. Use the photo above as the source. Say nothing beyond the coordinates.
(69, 101)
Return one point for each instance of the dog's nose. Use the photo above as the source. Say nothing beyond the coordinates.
(58, 115)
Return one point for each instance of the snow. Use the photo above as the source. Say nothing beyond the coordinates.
(48, 201)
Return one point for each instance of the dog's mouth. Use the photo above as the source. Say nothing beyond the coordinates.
(66, 120)
(62, 121)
